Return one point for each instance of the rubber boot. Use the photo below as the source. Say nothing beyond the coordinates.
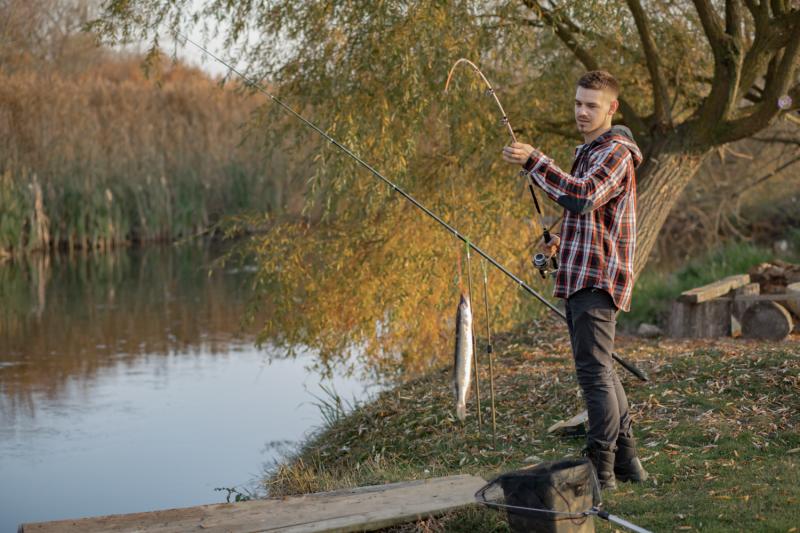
(627, 466)
(603, 462)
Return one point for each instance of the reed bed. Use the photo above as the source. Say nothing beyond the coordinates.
(107, 156)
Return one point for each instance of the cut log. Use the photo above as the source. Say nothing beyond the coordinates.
(706, 320)
(714, 290)
(767, 321)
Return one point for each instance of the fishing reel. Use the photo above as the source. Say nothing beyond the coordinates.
(543, 264)
(546, 265)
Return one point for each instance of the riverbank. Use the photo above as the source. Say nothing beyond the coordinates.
(718, 428)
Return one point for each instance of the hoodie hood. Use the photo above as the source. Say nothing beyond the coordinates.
(623, 136)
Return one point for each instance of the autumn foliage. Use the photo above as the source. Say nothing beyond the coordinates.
(102, 154)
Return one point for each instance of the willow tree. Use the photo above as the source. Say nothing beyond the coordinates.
(694, 76)
(714, 74)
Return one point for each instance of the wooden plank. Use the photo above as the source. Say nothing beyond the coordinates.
(573, 422)
(762, 298)
(714, 290)
(359, 509)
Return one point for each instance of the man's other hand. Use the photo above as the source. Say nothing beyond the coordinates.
(550, 249)
(517, 153)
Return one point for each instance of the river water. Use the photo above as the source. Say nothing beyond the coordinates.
(127, 384)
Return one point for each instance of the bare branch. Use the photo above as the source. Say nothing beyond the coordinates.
(712, 24)
(754, 8)
(767, 176)
(727, 49)
(661, 104)
(771, 36)
(777, 139)
(733, 18)
(778, 83)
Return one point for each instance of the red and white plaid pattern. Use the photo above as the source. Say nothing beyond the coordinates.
(598, 235)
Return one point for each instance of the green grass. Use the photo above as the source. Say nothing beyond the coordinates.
(655, 288)
(717, 428)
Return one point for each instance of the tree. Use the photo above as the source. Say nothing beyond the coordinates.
(697, 102)
(694, 76)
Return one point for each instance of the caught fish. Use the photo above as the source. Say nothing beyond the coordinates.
(462, 369)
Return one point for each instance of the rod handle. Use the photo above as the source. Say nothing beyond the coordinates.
(630, 367)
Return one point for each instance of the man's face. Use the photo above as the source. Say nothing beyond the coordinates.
(593, 109)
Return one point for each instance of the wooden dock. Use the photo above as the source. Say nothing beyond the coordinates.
(359, 509)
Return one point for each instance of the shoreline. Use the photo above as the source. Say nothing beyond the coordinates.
(718, 428)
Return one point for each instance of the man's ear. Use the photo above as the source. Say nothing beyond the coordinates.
(614, 107)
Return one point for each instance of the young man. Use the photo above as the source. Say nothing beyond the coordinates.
(595, 274)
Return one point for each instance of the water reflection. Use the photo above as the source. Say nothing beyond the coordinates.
(65, 319)
(127, 383)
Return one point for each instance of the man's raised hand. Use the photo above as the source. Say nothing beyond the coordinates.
(517, 153)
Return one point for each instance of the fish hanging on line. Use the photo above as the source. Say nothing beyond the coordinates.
(462, 368)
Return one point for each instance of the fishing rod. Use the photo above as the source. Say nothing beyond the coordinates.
(255, 85)
(540, 260)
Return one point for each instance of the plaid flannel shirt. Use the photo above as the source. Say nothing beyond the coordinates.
(598, 235)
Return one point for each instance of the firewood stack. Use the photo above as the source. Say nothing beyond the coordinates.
(773, 278)
(757, 305)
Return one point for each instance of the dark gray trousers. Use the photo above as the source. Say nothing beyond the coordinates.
(592, 320)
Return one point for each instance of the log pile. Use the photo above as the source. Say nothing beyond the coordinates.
(773, 278)
(757, 305)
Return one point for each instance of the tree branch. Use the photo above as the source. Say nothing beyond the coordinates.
(777, 139)
(661, 104)
(712, 24)
(778, 83)
(563, 129)
(630, 116)
(771, 35)
(733, 19)
(727, 49)
(767, 176)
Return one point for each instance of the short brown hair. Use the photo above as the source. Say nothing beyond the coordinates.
(599, 80)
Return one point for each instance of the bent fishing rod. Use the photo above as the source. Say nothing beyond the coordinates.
(255, 85)
(539, 260)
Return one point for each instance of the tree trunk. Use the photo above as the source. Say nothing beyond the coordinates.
(660, 181)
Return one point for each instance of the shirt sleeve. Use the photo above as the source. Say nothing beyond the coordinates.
(604, 180)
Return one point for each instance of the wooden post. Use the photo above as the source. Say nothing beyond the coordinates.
(706, 320)
(740, 305)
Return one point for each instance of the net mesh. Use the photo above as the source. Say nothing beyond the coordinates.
(552, 497)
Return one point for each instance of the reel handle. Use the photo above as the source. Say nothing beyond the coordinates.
(547, 238)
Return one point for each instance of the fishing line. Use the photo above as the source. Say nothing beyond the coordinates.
(474, 342)
(469, 298)
(255, 85)
(374, 172)
(490, 91)
(489, 350)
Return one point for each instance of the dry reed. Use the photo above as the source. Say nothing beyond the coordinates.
(106, 156)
